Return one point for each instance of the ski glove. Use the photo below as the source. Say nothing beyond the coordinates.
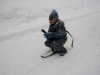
(47, 35)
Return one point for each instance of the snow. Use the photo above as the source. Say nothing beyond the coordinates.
(22, 42)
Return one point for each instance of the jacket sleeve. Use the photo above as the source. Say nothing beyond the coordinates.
(49, 30)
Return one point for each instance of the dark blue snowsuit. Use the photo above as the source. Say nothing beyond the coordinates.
(58, 36)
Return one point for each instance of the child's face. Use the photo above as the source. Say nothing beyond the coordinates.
(52, 21)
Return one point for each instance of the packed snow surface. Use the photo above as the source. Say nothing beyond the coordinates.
(22, 42)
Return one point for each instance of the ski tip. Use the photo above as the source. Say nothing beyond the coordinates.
(43, 57)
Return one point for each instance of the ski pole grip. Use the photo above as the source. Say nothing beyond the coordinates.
(43, 31)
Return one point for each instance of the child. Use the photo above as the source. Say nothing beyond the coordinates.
(56, 35)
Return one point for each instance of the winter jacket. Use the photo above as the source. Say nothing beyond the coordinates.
(58, 31)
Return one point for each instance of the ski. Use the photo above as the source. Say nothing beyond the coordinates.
(48, 55)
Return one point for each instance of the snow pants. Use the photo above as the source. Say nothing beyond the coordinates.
(56, 45)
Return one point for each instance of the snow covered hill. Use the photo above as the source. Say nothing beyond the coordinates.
(19, 15)
(22, 42)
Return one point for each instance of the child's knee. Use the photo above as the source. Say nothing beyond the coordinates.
(47, 43)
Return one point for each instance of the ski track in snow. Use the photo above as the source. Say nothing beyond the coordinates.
(20, 52)
(25, 32)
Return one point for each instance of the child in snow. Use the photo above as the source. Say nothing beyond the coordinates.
(56, 35)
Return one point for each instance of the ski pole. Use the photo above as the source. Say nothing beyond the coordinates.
(72, 38)
(43, 31)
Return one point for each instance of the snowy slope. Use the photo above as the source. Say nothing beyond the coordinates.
(19, 15)
(20, 52)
